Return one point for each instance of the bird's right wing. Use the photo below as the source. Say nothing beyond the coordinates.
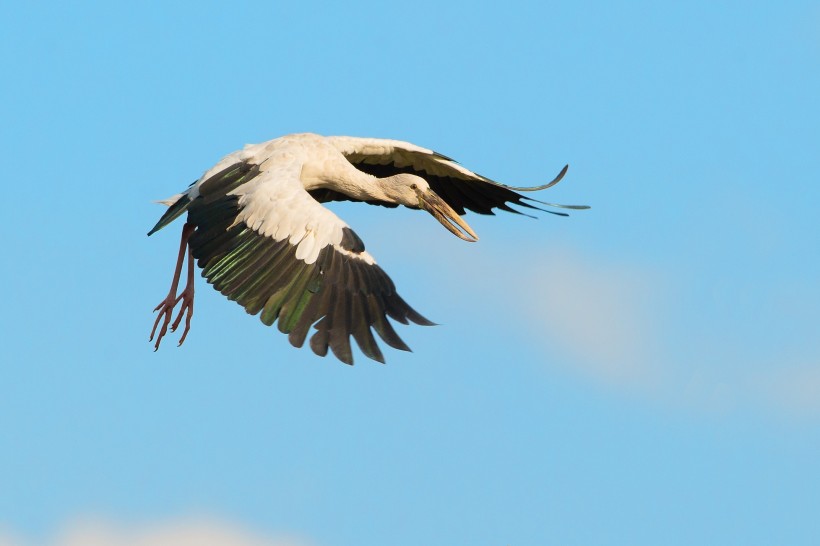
(460, 187)
(269, 246)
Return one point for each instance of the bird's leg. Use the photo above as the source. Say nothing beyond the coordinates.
(187, 297)
(166, 306)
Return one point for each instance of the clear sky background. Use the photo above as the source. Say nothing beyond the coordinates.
(646, 372)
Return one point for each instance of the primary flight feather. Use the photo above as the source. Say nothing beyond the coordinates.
(258, 231)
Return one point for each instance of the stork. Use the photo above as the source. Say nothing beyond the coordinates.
(258, 231)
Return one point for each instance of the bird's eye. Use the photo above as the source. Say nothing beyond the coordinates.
(413, 187)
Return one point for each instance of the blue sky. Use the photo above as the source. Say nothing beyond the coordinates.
(646, 372)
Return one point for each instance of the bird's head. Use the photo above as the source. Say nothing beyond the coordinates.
(414, 191)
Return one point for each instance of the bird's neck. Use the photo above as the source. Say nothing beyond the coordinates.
(369, 188)
(356, 184)
(340, 175)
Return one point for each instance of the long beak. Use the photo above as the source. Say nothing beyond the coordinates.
(444, 213)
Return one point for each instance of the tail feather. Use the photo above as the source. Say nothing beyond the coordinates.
(175, 210)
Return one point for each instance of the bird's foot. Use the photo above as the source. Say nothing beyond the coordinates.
(166, 309)
(187, 298)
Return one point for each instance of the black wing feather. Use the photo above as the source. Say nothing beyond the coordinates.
(341, 295)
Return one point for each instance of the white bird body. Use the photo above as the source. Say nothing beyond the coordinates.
(259, 232)
(276, 203)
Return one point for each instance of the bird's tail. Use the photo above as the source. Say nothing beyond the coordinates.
(177, 205)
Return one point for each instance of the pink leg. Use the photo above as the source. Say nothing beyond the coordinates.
(166, 306)
(187, 297)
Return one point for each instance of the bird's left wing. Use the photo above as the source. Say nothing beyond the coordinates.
(460, 187)
(274, 250)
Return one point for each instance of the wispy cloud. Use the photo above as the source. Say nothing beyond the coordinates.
(600, 316)
(179, 533)
(623, 325)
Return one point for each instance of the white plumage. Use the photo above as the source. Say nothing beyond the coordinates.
(258, 230)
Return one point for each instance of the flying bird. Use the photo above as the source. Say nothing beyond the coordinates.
(257, 229)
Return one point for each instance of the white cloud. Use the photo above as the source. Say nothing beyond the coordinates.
(601, 316)
(179, 533)
(624, 326)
